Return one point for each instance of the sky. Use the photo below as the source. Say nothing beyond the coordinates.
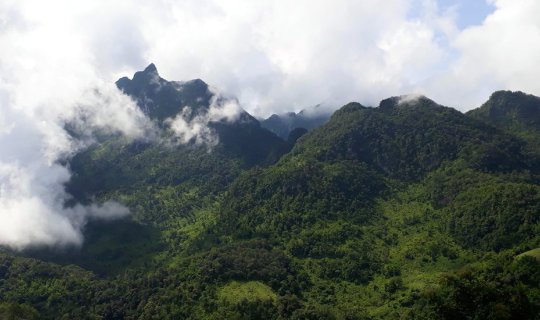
(59, 60)
(278, 56)
(466, 13)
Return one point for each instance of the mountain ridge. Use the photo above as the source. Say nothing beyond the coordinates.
(284, 124)
(410, 210)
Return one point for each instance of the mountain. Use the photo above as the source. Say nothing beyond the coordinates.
(284, 124)
(387, 200)
(516, 112)
(161, 99)
(406, 140)
(410, 210)
(241, 143)
(509, 109)
(162, 181)
(370, 150)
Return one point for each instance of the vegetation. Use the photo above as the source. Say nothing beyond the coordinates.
(406, 211)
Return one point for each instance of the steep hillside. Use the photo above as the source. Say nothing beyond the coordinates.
(410, 210)
(118, 164)
(393, 197)
(164, 182)
(359, 155)
(405, 139)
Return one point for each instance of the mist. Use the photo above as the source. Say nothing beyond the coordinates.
(188, 128)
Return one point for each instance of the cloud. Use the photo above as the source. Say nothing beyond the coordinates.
(48, 77)
(502, 53)
(409, 98)
(32, 208)
(105, 110)
(190, 126)
(32, 195)
(277, 56)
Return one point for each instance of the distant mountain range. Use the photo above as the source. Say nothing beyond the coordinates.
(161, 99)
(409, 210)
(283, 124)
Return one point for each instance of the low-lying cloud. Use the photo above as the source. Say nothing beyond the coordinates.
(107, 111)
(32, 143)
(191, 127)
(48, 79)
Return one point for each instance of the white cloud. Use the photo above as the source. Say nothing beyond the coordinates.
(48, 76)
(501, 53)
(505, 50)
(189, 126)
(32, 208)
(280, 55)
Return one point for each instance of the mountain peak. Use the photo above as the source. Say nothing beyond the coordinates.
(503, 93)
(510, 109)
(196, 84)
(149, 75)
(405, 100)
(507, 101)
(162, 99)
(151, 69)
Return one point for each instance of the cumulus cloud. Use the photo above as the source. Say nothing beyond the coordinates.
(277, 55)
(501, 53)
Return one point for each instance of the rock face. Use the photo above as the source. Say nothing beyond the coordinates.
(161, 99)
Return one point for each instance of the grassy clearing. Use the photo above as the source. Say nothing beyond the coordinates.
(533, 253)
(235, 292)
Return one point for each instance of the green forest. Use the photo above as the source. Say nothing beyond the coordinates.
(407, 210)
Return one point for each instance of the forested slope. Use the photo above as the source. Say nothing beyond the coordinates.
(410, 210)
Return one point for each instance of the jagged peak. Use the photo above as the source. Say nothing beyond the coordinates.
(150, 73)
(151, 69)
